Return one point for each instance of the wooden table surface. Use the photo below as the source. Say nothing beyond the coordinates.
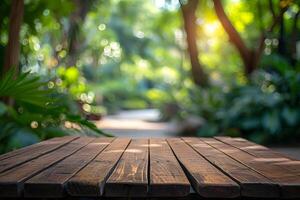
(220, 167)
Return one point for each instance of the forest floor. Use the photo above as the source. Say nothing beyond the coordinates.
(145, 123)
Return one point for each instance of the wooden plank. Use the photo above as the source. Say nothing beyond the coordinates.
(206, 179)
(129, 178)
(167, 178)
(89, 182)
(252, 183)
(34, 147)
(50, 182)
(263, 153)
(293, 165)
(12, 181)
(288, 181)
(21, 156)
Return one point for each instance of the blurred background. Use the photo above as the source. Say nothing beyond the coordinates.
(149, 69)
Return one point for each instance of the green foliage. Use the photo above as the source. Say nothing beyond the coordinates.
(39, 113)
(132, 55)
(267, 109)
(24, 88)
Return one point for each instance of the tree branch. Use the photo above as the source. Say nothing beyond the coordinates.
(260, 20)
(232, 33)
(189, 18)
(271, 7)
(276, 20)
(12, 51)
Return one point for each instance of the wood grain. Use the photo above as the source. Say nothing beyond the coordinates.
(152, 168)
(167, 178)
(90, 181)
(129, 178)
(288, 181)
(252, 183)
(12, 181)
(50, 183)
(262, 153)
(293, 166)
(206, 179)
(23, 155)
(265, 154)
(34, 147)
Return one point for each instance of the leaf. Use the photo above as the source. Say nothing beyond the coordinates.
(290, 115)
(208, 130)
(271, 121)
(25, 88)
(3, 108)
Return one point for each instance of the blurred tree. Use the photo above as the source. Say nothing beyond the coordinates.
(12, 51)
(189, 18)
(76, 20)
(251, 56)
(294, 37)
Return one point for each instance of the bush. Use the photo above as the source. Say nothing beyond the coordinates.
(38, 112)
(266, 109)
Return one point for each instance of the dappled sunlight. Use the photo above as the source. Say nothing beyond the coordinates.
(211, 28)
(155, 145)
(134, 151)
(255, 147)
(115, 151)
(271, 159)
(100, 143)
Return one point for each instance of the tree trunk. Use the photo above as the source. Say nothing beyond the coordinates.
(294, 38)
(281, 39)
(12, 51)
(189, 18)
(246, 54)
(76, 20)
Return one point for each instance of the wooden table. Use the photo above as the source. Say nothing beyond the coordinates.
(220, 167)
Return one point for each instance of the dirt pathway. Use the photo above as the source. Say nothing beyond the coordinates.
(137, 123)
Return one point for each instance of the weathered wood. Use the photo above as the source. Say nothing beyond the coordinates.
(12, 181)
(129, 178)
(50, 182)
(167, 178)
(206, 179)
(288, 181)
(34, 147)
(91, 179)
(293, 165)
(18, 157)
(152, 168)
(263, 153)
(252, 183)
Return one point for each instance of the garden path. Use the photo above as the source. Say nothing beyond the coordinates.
(137, 123)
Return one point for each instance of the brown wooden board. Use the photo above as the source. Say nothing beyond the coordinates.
(50, 182)
(288, 181)
(167, 178)
(206, 179)
(91, 179)
(35, 147)
(116, 167)
(20, 156)
(129, 178)
(12, 181)
(293, 165)
(263, 153)
(252, 183)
